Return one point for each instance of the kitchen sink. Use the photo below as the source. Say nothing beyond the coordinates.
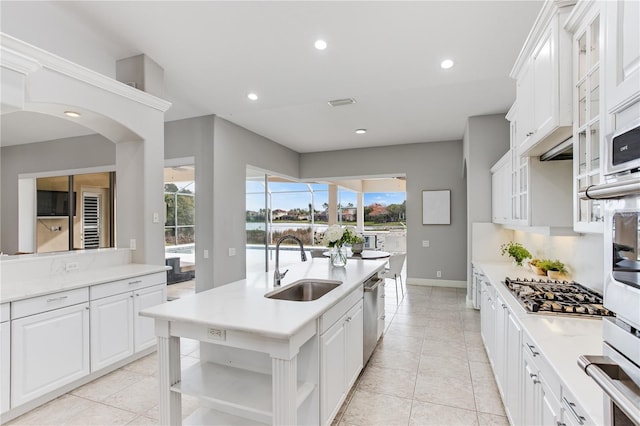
(304, 290)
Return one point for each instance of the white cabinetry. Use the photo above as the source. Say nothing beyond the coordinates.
(622, 54)
(5, 356)
(340, 360)
(543, 74)
(381, 310)
(49, 343)
(117, 331)
(487, 317)
(588, 83)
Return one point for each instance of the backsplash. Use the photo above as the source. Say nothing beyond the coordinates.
(583, 255)
(34, 266)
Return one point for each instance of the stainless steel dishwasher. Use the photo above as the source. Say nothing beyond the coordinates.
(370, 319)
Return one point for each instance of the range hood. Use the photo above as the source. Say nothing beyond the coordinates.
(562, 151)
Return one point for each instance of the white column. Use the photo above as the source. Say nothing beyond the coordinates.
(170, 406)
(285, 390)
(360, 212)
(333, 204)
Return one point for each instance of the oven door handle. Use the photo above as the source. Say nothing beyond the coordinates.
(608, 375)
(611, 190)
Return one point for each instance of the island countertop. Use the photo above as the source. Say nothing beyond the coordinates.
(242, 306)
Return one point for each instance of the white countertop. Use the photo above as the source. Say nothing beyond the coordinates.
(559, 339)
(242, 306)
(12, 290)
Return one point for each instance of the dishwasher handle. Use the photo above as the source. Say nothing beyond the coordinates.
(372, 285)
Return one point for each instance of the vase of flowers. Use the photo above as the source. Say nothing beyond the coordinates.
(335, 237)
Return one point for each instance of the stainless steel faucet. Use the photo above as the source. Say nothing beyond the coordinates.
(277, 275)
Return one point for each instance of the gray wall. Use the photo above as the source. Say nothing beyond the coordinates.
(57, 155)
(222, 152)
(486, 139)
(427, 166)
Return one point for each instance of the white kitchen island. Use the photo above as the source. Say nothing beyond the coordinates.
(261, 359)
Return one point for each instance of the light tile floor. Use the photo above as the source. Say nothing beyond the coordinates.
(430, 368)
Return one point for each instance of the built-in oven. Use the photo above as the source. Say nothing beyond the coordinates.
(617, 370)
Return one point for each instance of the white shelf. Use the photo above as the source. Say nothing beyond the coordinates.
(205, 416)
(234, 391)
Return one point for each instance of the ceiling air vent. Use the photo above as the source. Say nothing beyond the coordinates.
(341, 102)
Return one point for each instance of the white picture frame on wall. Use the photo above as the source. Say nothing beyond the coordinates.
(436, 207)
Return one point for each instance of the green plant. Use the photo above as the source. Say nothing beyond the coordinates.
(536, 262)
(515, 250)
(553, 265)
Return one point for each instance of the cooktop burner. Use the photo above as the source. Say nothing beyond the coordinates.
(562, 297)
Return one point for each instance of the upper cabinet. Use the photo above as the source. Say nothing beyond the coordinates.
(622, 54)
(585, 23)
(543, 74)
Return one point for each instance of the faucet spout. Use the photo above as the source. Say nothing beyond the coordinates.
(277, 275)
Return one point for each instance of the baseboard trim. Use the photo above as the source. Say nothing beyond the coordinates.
(437, 283)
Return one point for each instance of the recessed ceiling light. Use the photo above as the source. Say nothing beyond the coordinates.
(446, 64)
(361, 131)
(320, 44)
(73, 114)
(252, 96)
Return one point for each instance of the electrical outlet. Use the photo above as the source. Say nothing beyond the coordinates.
(132, 244)
(156, 218)
(232, 251)
(425, 243)
(205, 254)
(216, 334)
(71, 266)
(439, 274)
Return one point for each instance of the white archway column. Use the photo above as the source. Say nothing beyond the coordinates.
(333, 204)
(360, 212)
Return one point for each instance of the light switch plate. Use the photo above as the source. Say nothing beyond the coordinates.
(425, 243)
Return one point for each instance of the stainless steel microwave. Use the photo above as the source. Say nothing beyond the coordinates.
(623, 150)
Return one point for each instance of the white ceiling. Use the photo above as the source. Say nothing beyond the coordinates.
(386, 55)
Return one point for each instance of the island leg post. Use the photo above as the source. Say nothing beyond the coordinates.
(285, 389)
(170, 406)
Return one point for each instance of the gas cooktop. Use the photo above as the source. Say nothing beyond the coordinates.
(557, 297)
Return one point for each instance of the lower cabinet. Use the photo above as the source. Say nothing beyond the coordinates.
(117, 329)
(48, 350)
(540, 405)
(5, 364)
(341, 360)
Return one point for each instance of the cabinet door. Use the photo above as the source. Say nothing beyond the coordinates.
(530, 410)
(500, 343)
(623, 53)
(545, 91)
(48, 350)
(524, 95)
(487, 319)
(512, 369)
(549, 407)
(5, 364)
(333, 369)
(111, 329)
(144, 332)
(354, 344)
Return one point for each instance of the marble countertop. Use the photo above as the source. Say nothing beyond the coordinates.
(241, 305)
(12, 290)
(559, 339)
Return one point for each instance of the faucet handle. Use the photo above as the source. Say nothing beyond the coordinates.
(282, 274)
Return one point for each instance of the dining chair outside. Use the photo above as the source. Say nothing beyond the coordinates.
(396, 262)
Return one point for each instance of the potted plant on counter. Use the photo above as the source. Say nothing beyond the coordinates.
(556, 270)
(515, 250)
(536, 266)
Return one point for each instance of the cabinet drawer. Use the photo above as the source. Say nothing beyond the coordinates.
(122, 286)
(549, 377)
(572, 412)
(36, 305)
(339, 309)
(4, 312)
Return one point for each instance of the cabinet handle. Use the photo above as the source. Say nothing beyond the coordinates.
(571, 406)
(535, 378)
(383, 317)
(531, 348)
(348, 319)
(55, 299)
(504, 306)
(135, 282)
(559, 423)
(530, 133)
(382, 296)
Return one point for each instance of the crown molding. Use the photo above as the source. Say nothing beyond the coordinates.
(28, 58)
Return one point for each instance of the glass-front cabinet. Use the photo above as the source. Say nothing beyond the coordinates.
(588, 121)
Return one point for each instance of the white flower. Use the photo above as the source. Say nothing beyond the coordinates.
(332, 235)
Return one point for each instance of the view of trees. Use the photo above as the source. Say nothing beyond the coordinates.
(179, 224)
